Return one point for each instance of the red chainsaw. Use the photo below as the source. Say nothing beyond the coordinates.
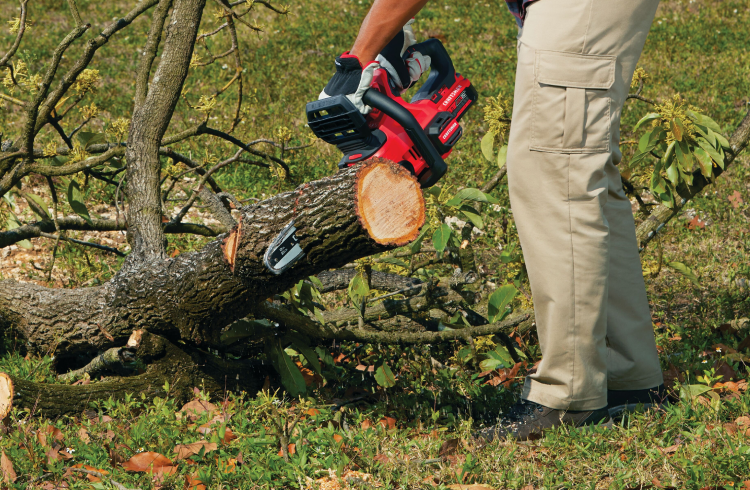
(419, 134)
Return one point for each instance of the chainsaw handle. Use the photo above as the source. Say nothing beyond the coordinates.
(442, 71)
(406, 120)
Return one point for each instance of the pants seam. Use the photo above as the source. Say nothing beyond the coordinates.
(588, 24)
(572, 324)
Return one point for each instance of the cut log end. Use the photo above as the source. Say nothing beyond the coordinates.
(6, 395)
(390, 205)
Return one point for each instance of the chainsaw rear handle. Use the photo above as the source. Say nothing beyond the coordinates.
(392, 109)
(442, 71)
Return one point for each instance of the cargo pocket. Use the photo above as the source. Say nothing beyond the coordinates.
(571, 112)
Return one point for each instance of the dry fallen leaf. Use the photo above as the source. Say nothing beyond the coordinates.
(194, 408)
(193, 483)
(146, 462)
(6, 466)
(388, 422)
(449, 447)
(184, 451)
(83, 435)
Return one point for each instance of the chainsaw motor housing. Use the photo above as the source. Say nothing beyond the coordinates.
(419, 134)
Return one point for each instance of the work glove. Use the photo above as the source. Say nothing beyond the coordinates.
(353, 80)
(403, 72)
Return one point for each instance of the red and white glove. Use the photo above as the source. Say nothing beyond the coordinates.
(403, 72)
(351, 80)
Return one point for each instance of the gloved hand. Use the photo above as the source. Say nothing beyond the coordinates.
(403, 72)
(352, 80)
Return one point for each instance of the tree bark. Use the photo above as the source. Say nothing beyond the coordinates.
(166, 363)
(150, 121)
(195, 295)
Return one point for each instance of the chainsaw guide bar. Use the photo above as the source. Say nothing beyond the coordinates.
(284, 250)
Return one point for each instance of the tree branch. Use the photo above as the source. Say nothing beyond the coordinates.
(34, 230)
(149, 123)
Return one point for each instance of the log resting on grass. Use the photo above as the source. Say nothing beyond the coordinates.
(166, 363)
(355, 213)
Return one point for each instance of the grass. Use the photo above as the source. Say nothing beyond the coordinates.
(696, 48)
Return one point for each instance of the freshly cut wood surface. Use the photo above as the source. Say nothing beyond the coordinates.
(390, 205)
(6, 395)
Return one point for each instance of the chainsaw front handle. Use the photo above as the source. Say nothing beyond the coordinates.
(392, 109)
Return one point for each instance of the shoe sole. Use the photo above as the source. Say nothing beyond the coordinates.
(620, 410)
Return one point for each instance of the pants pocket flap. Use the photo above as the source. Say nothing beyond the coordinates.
(586, 71)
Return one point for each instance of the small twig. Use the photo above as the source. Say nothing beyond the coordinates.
(81, 242)
(644, 99)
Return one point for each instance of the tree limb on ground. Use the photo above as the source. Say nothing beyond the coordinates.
(195, 295)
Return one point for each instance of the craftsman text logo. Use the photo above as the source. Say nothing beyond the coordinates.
(448, 132)
(452, 96)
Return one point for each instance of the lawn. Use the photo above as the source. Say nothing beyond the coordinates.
(349, 431)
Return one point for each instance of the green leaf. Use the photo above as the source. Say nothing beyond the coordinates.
(501, 354)
(502, 155)
(499, 300)
(706, 133)
(704, 162)
(417, 244)
(310, 355)
(394, 261)
(643, 143)
(37, 205)
(673, 173)
(470, 194)
(11, 224)
(709, 123)
(325, 355)
(291, 377)
(440, 237)
(490, 364)
(472, 215)
(75, 199)
(685, 271)
(434, 191)
(384, 376)
(658, 184)
(87, 139)
(688, 392)
(58, 161)
(314, 279)
(715, 156)
(358, 288)
(648, 117)
(722, 140)
(487, 144)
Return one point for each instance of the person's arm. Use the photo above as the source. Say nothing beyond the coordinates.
(385, 19)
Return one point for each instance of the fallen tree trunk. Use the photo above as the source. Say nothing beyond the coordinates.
(166, 363)
(355, 213)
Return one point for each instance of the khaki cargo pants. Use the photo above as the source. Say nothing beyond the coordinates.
(575, 62)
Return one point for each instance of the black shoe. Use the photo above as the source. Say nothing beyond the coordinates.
(527, 420)
(622, 401)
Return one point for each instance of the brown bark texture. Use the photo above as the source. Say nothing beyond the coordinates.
(170, 371)
(195, 295)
